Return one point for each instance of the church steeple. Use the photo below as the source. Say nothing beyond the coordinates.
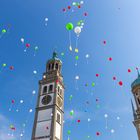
(48, 122)
(136, 112)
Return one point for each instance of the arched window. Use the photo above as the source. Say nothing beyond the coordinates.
(45, 89)
(50, 88)
(139, 101)
(52, 66)
(56, 66)
(49, 67)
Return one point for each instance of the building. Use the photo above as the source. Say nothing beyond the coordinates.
(136, 112)
(48, 121)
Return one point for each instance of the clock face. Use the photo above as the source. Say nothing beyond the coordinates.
(46, 99)
(59, 102)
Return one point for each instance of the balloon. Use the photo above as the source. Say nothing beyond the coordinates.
(33, 92)
(71, 112)
(30, 110)
(77, 30)
(76, 50)
(129, 70)
(110, 59)
(62, 54)
(69, 132)
(81, 2)
(77, 77)
(4, 31)
(46, 19)
(114, 78)
(22, 40)
(77, 57)
(36, 48)
(106, 116)
(93, 84)
(87, 55)
(112, 130)
(120, 83)
(69, 7)
(71, 97)
(70, 48)
(4, 65)
(78, 121)
(11, 67)
(97, 75)
(35, 72)
(74, 3)
(27, 45)
(69, 26)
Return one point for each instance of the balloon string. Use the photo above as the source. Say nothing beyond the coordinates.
(106, 124)
(70, 37)
(77, 42)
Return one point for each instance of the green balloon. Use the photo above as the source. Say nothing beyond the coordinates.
(69, 132)
(3, 31)
(93, 84)
(4, 65)
(77, 57)
(69, 26)
(71, 112)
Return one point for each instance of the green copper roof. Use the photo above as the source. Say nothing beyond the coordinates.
(55, 57)
(137, 81)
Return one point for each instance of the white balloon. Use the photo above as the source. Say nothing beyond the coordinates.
(22, 40)
(46, 19)
(81, 2)
(77, 77)
(77, 30)
(105, 115)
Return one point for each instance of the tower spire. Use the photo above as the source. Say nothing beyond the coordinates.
(134, 112)
(138, 72)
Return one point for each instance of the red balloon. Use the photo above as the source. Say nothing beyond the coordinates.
(11, 67)
(97, 133)
(13, 101)
(69, 7)
(97, 75)
(79, 6)
(27, 45)
(129, 70)
(78, 121)
(120, 83)
(110, 59)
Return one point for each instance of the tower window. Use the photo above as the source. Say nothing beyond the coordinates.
(52, 66)
(49, 67)
(58, 89)
(45, 89)
(139, 101)
(50, 88)
(58, 118)
(56, 66)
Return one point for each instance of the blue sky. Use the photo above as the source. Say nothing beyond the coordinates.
(115, 21)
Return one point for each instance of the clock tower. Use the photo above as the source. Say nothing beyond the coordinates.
(136, 112)
(48, 122)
